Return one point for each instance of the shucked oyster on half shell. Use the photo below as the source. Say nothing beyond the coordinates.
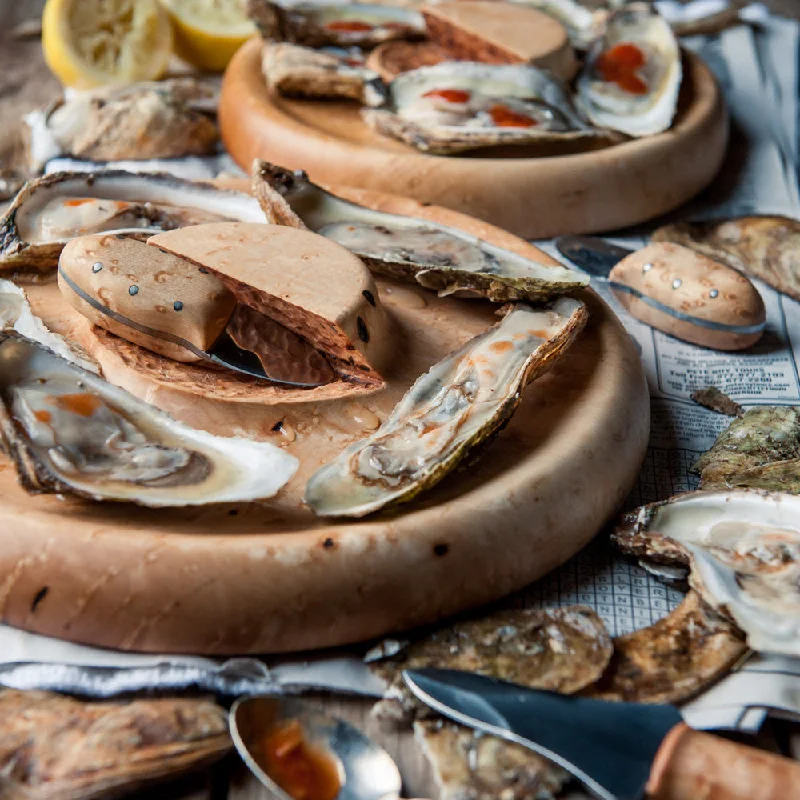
(456, 106)
(317, 23)
(297, 71)
(744, 550)
(50, 211)
(632, 76)
(435, 256)
(69, 431)
(455, 406)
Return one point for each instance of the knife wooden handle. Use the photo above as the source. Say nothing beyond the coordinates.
(698, 766)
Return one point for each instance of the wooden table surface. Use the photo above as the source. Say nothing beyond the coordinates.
(25, 84)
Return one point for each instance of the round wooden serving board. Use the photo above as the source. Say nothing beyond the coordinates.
(557, 193)
(275, 578)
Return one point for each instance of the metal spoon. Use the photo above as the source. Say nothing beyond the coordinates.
(366, 771)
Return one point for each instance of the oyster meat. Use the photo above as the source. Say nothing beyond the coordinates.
(435, 256)
(57, 748)
(138, 121)
(759, 450)
(69, 431)
(632, 76)
(672, 660)
(456, 106)
(320, 23)
(298, 71)
(767, 248)
(743, 547)
(50, 211)
(455, 406)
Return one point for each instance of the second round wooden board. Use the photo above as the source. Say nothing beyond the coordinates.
(560, 192)
(274, 578)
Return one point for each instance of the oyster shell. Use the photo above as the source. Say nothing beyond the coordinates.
(137, 121)
(759, 450)
(456, 106)
(468, 766)
(50, 211)
(744, 550)
(632, 76)
(298, 71)
(16, 315)
(455, 406)
(559, 649)
(318, 23)
(672, 660)
(767, 248)
(419, 251)
(714, 399)
(562, 649)
(58, 748)
(69, 431)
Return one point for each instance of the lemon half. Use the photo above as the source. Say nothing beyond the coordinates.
(209, 32)
(89, 43)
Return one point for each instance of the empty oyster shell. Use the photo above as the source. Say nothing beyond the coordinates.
(744, 551)
(633, 74)
(766, 247)
(320, 23)
(459, 403)
(69, 431)
(672, 660)
(137, 121)
(58, 748)
(760, 450)
(298, 71)
(418, 251)
(50, 211)
(456, 106)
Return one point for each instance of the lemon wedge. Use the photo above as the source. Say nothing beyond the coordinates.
(89, 43)
(209, 32)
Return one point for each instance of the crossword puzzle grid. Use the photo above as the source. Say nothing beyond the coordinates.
(624, 595)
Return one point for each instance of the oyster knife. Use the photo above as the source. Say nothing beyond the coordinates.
(619, 751)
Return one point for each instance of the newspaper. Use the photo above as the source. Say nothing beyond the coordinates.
(758, 69)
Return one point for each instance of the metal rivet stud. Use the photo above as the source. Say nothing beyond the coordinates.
(177, 305)
(133, 290)
(714, 293)
(647, 267)
(97, 266)
(676, 284)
